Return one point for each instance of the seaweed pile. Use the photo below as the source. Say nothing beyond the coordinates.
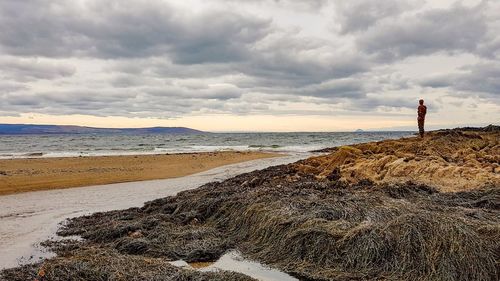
(90, 263)
(450, 160)
(314, 228)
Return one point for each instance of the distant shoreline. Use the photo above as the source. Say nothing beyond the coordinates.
(32, 129)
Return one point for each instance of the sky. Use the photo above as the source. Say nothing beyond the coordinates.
(254, 65)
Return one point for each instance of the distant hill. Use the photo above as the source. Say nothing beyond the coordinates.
(359, 131)
(25, 129)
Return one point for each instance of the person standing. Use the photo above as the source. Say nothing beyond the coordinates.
(421, 111)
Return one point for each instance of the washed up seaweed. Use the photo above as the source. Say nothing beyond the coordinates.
(449, 160)
(102, 264)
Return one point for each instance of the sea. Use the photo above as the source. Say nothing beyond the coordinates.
(24, 146)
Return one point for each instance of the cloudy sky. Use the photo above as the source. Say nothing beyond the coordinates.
(254, 65)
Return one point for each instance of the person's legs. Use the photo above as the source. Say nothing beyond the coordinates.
(421, 128)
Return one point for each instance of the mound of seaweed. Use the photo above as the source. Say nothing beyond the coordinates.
(91, 263)
(450, 160)
(315, 228)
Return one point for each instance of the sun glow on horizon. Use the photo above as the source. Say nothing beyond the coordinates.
(229, 123)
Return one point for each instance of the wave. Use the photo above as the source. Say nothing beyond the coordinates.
(264, 146)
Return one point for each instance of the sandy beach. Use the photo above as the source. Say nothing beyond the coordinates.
(23, 175)
(28, 218)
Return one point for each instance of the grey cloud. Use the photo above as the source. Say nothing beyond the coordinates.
(8, 87)
(458, 28)
(219, 38)
(163, 67)
(282, 77)
(113, 29)
(138, 102)
(95, 102)
(126, 81)
(26, 69)
(300, 5)
(481, 79)
(282, 69)
(359, 15)
(243, 107)
(374, 102)
(437, 81)
(280, 63)
(217, 92)
(339, 88)
(491, 46)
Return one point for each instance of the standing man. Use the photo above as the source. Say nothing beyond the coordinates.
(421, 111)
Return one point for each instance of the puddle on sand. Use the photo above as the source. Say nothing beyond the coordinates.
(40, 253)
(233, 261)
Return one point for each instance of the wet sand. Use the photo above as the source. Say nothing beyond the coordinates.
(33, 174)
(26, 219)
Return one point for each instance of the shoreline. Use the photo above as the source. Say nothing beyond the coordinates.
(65, 155)
(35, 174)
(29, 218)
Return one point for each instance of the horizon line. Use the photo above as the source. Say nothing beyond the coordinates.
(387, 129)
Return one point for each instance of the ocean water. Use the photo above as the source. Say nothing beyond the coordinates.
(93, 145)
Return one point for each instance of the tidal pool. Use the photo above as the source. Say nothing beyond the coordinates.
(233, 261)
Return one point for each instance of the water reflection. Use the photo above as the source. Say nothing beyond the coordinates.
(233, 261)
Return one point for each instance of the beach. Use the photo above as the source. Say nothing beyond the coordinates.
(33, 174)
(29, 218)
(405, 209)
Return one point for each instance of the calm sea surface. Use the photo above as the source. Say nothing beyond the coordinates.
(90, 145)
